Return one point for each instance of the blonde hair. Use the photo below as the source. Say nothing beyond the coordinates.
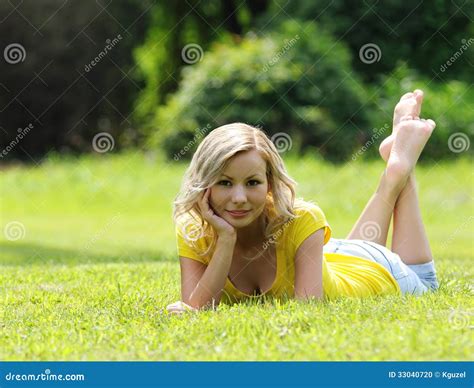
(212, 157)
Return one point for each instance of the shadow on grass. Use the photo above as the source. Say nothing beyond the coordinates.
(17, 253)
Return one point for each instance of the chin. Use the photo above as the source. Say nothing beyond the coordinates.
(239, 223)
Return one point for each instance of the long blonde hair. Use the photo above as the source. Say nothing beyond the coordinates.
(207, 164)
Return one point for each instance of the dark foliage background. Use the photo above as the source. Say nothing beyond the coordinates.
(319, 90)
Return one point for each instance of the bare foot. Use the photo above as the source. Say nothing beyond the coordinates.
(410, 139)
(409, 105)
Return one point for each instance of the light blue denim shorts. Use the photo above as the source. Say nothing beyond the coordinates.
(412, 279)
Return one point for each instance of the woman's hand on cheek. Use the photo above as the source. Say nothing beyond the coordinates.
(222, 227)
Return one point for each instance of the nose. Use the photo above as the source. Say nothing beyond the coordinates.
(238, 195)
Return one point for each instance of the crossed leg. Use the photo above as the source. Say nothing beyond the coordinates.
(397, 193)
(409, 239)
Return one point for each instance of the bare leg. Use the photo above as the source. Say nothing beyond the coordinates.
(409, 239)
(374, 222)
(409, 141)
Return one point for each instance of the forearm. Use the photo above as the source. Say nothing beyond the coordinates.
(210, 286)
(312, 293)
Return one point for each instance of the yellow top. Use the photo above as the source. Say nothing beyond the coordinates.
(343, 275)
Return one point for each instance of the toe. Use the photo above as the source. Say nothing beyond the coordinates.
(406, 95)
(409, 104)
(418, 92)
(419, 95)
(431, 123)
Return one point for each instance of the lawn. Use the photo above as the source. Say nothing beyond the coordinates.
(90, 265)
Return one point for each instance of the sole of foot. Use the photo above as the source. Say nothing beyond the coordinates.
(411, 138)
(409, 105)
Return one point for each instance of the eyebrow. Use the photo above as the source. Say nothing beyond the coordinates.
(251, 176)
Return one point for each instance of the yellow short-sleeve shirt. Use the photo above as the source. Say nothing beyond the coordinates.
(342, 275)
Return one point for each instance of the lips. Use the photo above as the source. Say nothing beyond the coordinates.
(238, 213)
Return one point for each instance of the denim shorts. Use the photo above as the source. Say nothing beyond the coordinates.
(412, 279)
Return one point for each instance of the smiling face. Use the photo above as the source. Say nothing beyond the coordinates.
(242, 186)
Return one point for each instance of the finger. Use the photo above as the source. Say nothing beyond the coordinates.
(431, 123)
(204, 205)
(187, 307)
(199, 202)
(206, 198)
(203, 199)
(406, 117)
(177, 306)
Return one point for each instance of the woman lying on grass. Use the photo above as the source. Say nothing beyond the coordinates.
(242, 234)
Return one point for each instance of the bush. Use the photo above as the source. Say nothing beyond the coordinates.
(418, 33)
(296, 80)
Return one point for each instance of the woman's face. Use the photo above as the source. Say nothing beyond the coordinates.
(239, 196)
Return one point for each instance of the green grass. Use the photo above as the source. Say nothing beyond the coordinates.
(97, 265)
